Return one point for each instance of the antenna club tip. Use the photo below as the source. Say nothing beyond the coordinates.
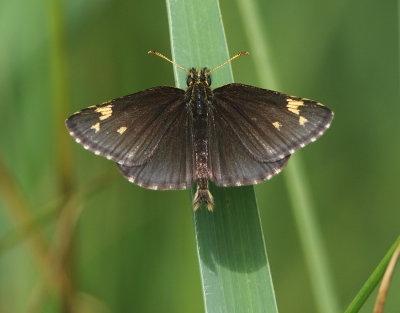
(151, 52)
(244, 53)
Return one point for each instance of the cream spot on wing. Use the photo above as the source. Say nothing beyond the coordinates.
(105, 112)
(293, 105)
(96, 127)
(277, 125)
(121, 130)
(302, 120)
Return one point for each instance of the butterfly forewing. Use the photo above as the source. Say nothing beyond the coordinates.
(270, 125)
(229, 162)
(128, 130)
(172, 165)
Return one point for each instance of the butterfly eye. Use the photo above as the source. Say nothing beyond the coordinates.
(189, 80)
(209, 80)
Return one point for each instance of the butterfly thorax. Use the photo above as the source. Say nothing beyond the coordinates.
(199, 91)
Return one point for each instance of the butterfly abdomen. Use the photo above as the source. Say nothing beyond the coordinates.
(200, 136)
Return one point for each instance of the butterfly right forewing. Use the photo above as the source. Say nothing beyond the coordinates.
(269, 124)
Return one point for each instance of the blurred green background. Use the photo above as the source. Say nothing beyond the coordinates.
(127, 249)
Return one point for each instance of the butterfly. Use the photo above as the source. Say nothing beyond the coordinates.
(169, 138)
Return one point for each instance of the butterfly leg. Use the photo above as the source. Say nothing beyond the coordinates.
(203, 194)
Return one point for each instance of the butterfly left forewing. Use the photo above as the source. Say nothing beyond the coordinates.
(269, 124)
(128, 130)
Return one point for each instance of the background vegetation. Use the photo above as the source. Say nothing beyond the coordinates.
(131, 249)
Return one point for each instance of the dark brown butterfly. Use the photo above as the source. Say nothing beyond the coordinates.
(168, 138)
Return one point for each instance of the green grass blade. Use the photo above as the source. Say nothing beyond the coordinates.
(233, 262)
(311, 238)
(296, 180)
(372, 281)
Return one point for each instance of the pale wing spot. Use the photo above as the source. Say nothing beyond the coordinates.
(97, 152)
(105, 112)
(293, 105)
(302, 120)
(277, 125)
(96, 127)
(295, 102)
(238, 183)
(122, 129)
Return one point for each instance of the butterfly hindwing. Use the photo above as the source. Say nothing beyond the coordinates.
(230, 164)
(128, 130)
(172, 165)
(269, 124)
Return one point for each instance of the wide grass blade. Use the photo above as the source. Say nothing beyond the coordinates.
(234, 269)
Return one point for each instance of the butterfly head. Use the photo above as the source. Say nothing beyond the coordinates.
(199, 76)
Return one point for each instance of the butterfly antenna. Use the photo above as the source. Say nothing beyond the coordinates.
(164, 57)
(231, 59)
